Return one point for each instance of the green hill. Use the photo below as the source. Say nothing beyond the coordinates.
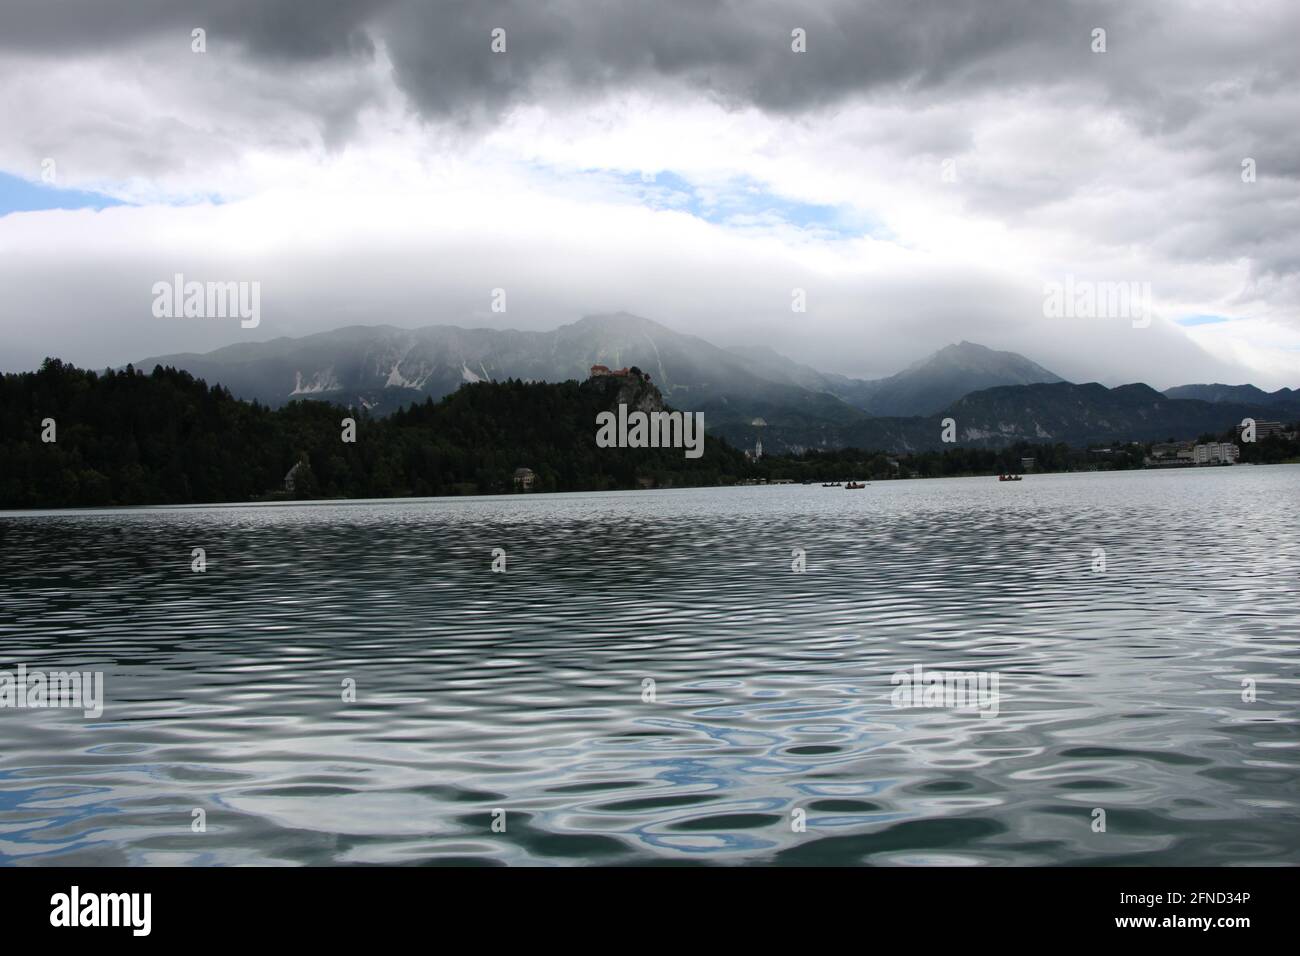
(131, 438)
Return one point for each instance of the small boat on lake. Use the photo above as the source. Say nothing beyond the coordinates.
(1008, 477)
(832, 484)
(854, 486)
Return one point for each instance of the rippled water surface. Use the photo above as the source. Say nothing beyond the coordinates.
(526, 691)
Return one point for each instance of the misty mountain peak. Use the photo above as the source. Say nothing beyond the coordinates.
(934, 382)
(617, 323)
(972, 355)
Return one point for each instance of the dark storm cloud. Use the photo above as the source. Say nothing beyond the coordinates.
(738, 52)
(269, 29)
(1159, 62)
(741, 53)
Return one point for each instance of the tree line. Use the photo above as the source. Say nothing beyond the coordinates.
(131, 438)
(128, 437)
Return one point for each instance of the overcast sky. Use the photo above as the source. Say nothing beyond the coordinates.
(377, 163)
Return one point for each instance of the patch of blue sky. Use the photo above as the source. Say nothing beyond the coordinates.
(22, 195)
(739, 202)
(1191, 320)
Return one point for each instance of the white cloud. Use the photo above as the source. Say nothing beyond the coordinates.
(351, 207)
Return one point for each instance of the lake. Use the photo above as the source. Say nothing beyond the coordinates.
(649, 680)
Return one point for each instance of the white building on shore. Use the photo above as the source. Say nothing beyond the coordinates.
(1216, 453)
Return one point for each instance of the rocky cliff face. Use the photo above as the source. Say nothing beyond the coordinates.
(634, 391)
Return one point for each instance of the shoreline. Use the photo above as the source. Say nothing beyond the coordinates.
(319, 502)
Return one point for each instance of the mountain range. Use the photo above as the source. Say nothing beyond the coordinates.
(1287, 400)
(746, 392)
(923, 388)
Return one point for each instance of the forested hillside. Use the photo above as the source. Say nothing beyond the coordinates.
(128, 437)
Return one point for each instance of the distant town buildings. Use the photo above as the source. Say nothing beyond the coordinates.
(1186, 453)
(1265, 429)
(524, 479)
(1216, 453)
